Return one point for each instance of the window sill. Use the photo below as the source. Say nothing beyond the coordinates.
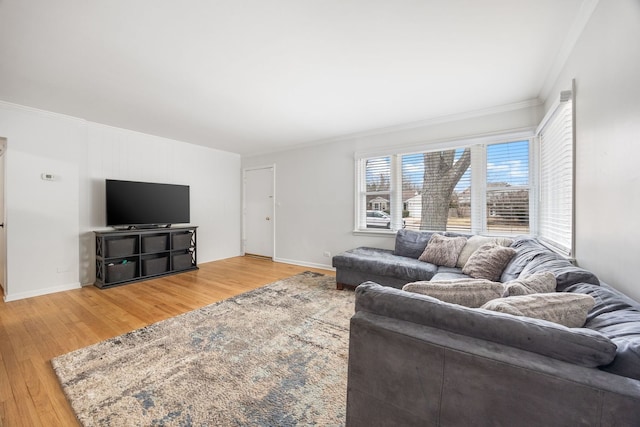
(376, 233)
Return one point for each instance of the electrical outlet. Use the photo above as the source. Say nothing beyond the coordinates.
(327, 254)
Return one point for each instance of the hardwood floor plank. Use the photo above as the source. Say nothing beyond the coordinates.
(34, 330)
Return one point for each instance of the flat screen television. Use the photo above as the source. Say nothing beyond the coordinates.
(146, 204)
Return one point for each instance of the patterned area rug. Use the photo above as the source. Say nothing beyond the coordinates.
(275, 356)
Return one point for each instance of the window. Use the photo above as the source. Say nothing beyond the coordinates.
(436, 190)
(377, 192)
(479, 188)
(507, 189)
(521, 183)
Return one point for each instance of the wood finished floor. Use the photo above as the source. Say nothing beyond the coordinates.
(34, 330)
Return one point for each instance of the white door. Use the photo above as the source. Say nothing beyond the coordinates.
(258, 212)
(3, 240)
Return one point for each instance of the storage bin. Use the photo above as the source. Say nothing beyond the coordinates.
(154, 266)
(182, 240)
(121, 272)
(121, 247)
(182, 261)
(154, 243)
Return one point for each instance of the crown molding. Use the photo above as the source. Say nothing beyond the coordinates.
(41, 112)
(412, 125)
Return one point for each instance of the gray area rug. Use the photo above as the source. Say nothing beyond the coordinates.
(275, 356)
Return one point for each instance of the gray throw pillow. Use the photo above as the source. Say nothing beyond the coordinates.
(443, 250)
(471, 293)
(474, 242)
(537, 283)
(567, 309)
(488, 262)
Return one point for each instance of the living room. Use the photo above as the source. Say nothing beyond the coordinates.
(50, 224)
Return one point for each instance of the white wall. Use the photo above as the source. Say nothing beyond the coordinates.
(606, 65)
(315, 185)
(41, 216)
(213, 177)
(49, 223)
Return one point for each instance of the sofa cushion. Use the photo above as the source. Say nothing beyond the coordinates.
(474, 242)
(488, 261)
(467, 292)
(442, 250)
(383, 262)
(533, 257)
(411, 243)
(580, 346)
(616, 316)
(532, 284)
(567, 309)
(450, 273)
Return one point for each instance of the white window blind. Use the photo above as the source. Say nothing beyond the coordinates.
(555, 211)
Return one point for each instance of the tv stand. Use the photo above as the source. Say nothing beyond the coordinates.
(131, 255)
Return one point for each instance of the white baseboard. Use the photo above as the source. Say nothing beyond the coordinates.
(39, 292)
(304, 264)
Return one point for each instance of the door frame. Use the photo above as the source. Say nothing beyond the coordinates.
(244, 207)
(3, 217)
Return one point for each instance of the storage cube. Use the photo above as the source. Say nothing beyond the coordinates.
(182, 240)
(121, 247)
(154, 266)
(154, 243)
(182, 261)
(121, 272)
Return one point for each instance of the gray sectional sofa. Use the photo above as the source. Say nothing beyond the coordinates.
(399, 266)
(416, 360)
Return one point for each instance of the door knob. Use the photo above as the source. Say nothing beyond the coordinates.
(268, 218)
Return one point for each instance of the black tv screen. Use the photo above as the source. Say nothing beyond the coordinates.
(132, 203)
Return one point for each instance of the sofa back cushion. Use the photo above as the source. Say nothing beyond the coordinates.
(533, 257)
(580, 346)
(411, 243)
(617, 317)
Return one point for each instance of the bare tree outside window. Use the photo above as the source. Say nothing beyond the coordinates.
(441, 175)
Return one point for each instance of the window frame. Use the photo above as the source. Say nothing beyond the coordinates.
(478, 178)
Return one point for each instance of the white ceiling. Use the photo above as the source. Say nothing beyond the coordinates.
(252, 76)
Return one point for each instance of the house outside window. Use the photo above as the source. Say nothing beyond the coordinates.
(507, 188)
